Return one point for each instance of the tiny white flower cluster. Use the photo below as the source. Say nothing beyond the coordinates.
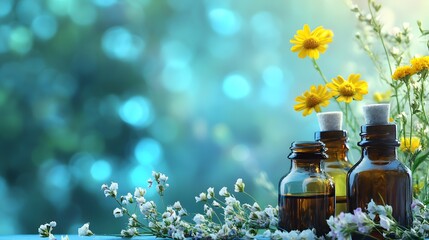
(239, 220)
(170, 223)
(111, 191)
(161, 179)
(84, 230)
(45, 230)
(379, 218)
(420, 220)
(277, 235)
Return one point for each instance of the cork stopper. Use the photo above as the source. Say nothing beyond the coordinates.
(376, 114)
(330, 121)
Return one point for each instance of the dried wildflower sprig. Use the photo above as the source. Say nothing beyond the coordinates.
(376, 219)
(240, 220)
(222, 218)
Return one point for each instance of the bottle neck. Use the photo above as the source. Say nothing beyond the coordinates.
(336, 144)
(308, 165)
(379, 153)
(379, 142)
(337, 151)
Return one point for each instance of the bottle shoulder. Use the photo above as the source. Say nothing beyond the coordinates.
(295, 176)
(337, 164)
(365, 164)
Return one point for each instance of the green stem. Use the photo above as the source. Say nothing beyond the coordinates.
(422, 92)
(250, 196)
(398, 107)
(407, 84)
(217, 216)
(377, 29)
(350, 121)
(316, 66)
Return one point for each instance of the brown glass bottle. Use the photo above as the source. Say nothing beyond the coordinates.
(306, 193)
(337, 164)
(379, 175)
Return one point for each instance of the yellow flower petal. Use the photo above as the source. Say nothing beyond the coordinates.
(348, 90)
(311, 43)
(313, 99)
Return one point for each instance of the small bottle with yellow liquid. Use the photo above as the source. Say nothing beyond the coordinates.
(337, 164)
(306, 193)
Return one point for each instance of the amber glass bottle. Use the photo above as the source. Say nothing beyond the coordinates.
(306, 193)
(379, 175)
(337, 164)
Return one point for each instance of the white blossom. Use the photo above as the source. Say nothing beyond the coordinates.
(201, 198)
(385, 222)
(84, 230)
(210, 193)
(394, 51)
(178, 234)
(215, 204)
(117, 212)
(199, 218)
(140, 200)
(127, 199)
(130, 232)
(162, 178)
(182, 212)
(110, 191)
(224, 231)
(177, 205)
(224, 192)
(139, 192)
(147, 207)
(66, 237)
(239, 185)
(132, 221)
(231, 201)
(45, 230)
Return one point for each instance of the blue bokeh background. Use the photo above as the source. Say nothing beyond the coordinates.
(94, 91)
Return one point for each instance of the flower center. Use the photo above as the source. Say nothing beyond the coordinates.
(311, 43)
(312, 101)
(347, 90)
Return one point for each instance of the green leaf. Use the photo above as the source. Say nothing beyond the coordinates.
(419, 160)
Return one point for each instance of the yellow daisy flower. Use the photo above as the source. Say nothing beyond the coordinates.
(382, 97)
(311, 43)
(419, 64)
(402, 72)
(407, 146)
(418, 187)
(347, 90)
(313, 99)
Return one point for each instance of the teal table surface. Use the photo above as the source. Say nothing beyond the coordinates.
(71, 237)
(76, 237)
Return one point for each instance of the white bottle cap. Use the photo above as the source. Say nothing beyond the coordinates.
(376, 114)
(330, 121)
